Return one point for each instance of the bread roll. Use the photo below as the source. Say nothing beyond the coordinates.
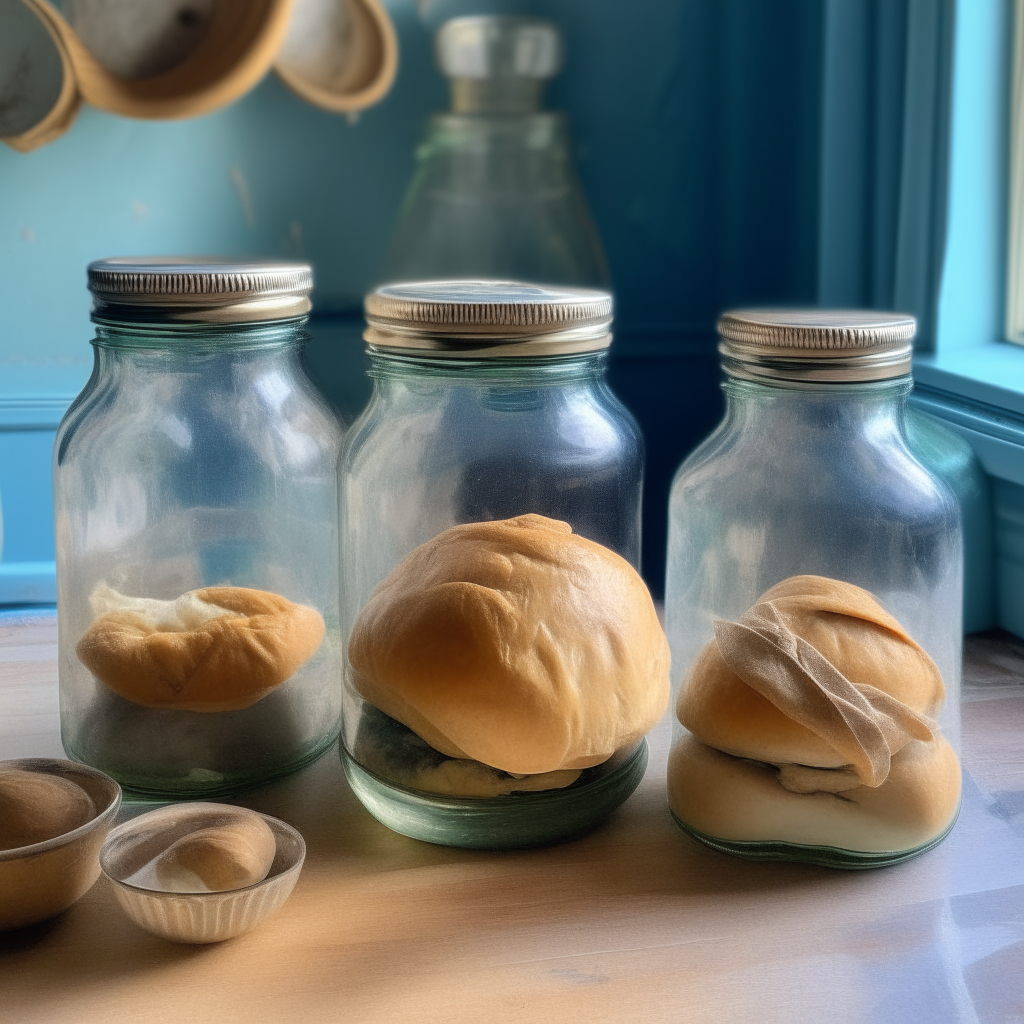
(809, 722)
(232, 855)
(216, 649)
(35, 807)
(739, 800)
(514, 643)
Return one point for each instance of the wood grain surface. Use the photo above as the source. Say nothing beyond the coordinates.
(634, 922)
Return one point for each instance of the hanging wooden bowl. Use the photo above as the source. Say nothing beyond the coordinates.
(339, 55)
(39, 99)
(235, 52)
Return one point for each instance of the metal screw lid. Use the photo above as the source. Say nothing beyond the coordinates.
(474, 319)
(495, 45)
(198, 289)
(839, 345)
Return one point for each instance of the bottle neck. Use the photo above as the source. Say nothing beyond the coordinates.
(500, 95)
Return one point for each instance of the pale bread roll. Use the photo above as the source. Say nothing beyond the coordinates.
(216, 649)
(217, 858)
(739, 800)
(35, 807)
(514, 643)
(808, 726)
(851, 631)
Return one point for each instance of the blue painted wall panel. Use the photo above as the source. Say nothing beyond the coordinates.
(25, 474)
(696, 125)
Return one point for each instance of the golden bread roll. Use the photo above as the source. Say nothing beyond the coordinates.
(216, 649)
(35, 807)
(232, 855)
(739, 800)
(514, 643)
(813, 673)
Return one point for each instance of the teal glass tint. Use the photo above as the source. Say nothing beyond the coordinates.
(450, 438)
(813, 604)
(198, 456)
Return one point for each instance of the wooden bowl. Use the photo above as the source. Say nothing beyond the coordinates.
(339, 55)
(39, 881)
(39, 97)
(235, 52)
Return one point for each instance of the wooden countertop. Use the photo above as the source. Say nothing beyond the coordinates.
(634, 923)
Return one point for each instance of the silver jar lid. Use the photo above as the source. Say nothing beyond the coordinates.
(498, 46)
(198, 289)
(476, 319)
(839, 345)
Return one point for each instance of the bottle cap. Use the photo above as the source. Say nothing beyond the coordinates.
(476, 319)
(198, 289)
(498, 46)
(840, 345)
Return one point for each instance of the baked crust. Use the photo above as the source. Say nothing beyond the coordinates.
(215, 649)
(514, 643)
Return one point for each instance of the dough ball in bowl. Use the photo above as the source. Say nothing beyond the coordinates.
(514, 643)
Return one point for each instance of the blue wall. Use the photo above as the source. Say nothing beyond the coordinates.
(697, 126)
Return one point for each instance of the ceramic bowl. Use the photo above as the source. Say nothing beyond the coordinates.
(195, 916)
(39, 881)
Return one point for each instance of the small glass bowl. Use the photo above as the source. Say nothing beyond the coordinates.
(37, 882)
(195, 916)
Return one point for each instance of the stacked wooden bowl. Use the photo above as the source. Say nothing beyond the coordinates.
(166, 59)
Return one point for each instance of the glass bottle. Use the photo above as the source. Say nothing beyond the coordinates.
(813, 603)
(195, 493)
(495, 194)
(489, 403)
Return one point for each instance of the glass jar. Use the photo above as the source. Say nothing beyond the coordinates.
(195, 502)
(813, 603)
(495, 193)
(489, 403)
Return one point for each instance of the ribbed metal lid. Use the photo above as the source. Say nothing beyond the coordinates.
(470, 319)
(841, 345)
(497, 45)
(199, 289)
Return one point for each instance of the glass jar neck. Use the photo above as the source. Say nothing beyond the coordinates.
(207, 338)
(537, 371)
(818, 405)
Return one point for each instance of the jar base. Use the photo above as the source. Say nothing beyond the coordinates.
(824, 856)
(496, 823)
(204, 784)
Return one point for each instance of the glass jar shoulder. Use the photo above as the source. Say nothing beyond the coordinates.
(837, 471)
(447, 419)
(274, 413)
